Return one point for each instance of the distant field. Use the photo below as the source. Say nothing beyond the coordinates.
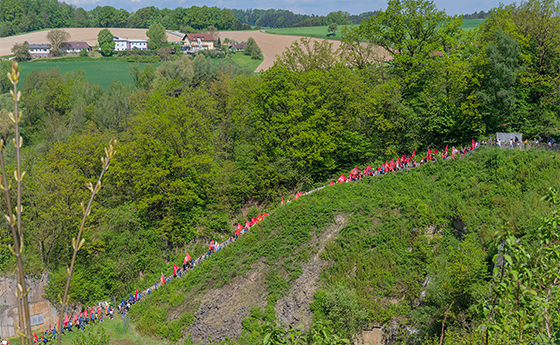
(321, 31)
(469, 24)
(100, 71)
(311, 31)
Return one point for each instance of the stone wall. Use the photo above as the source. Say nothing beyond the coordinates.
(38, 306)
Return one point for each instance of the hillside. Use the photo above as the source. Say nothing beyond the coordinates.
(408, 244)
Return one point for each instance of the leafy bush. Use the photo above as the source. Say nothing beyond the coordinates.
(340, 306)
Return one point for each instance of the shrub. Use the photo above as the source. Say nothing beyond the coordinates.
(341, 307)
(92, 336)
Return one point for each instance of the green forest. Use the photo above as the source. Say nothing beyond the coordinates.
(17, 17)
(204, 145)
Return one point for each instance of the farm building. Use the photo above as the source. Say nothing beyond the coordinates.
(129, 44)
(237, 47)
(195, 42)
(39, 50)
(76, 47)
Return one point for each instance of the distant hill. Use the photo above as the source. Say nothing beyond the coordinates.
(407, 244)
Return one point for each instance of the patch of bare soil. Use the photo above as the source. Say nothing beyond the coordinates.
(293, 309)
(222, 310)
(272, 45)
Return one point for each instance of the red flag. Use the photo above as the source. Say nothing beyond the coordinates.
(296, 196)
(472, 145)
(435, 151)
(136, 293)
(49, 328)
(265, 214)
(238, 230)
(66, 321)
(260, 217)
(332, 182)
(247, 225)
(355, 171)
(175, 268)
(341, 179)
(282, 202)
(445, 149)
(187, 259)
(35, 336)
(162, 279)
(413, 153)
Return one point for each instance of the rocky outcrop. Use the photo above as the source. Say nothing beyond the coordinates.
(222, 310)
(293, 309)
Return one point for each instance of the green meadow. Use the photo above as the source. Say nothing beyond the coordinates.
(321, 31)
(245, 60)
(310, 31)
(100, 71)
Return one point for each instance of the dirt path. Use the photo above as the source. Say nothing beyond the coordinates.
(88, 35)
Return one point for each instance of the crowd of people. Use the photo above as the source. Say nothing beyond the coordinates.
(404, 162)
(95, 315)
(81, 319)
(191, 264)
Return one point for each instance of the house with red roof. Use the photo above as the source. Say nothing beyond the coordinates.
(195, 42)
(76, 47)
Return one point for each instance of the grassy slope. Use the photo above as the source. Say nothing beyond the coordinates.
(321, 31)
(100, 71)
(383, 251)
(245, 60)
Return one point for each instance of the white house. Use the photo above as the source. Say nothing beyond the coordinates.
(129, 44)
(39, 50)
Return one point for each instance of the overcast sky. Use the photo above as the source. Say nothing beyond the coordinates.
(319, 7)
